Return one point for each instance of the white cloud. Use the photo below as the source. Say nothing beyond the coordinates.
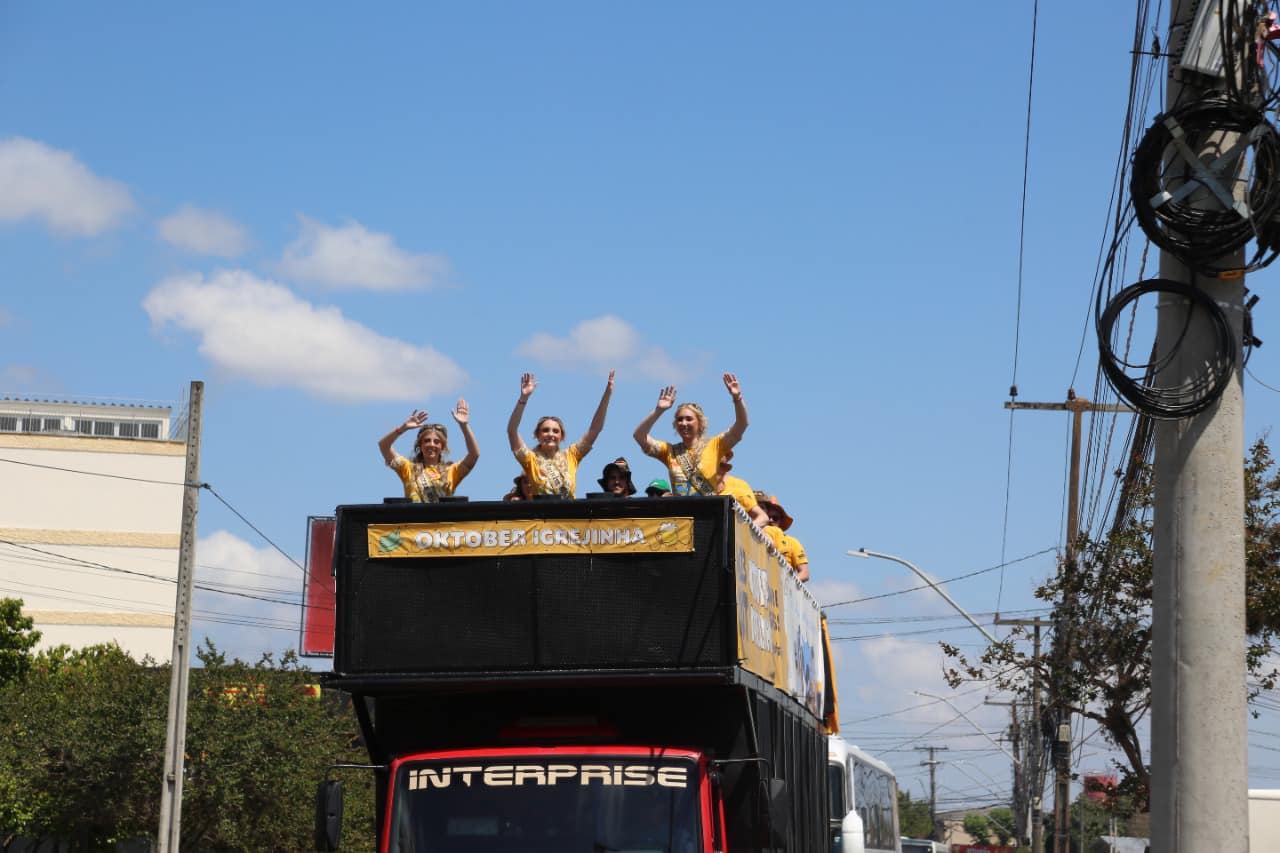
(352, 256)
(204, 232)
(225, 561)
(891, 668)
(601, 344)
(260, 331)
(830, 590)
(45, 184)
(25, 376)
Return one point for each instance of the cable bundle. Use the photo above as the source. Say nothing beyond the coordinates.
(1147, 394)
(1185, 191)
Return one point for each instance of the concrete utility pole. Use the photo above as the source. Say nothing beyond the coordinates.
(1199, 776)
(933, 786)
(175, 742)
(1033, 768)
(1062, 645)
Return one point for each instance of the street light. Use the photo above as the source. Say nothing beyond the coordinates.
(863, 552)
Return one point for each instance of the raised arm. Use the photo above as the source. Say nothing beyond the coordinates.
(414, 421)
(597, 420)
(666, 399)
(527, 384)
(740, 422)
(463, 416)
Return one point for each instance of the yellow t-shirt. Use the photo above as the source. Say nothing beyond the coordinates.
(705, 464)
(740, 491)
(426, 483)
(788, 546)
(555, 476)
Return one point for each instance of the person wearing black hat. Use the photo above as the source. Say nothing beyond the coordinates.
(616, 478)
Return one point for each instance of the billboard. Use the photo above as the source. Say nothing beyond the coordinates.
(318, 589)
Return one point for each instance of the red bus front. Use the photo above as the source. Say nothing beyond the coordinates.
(554, 800)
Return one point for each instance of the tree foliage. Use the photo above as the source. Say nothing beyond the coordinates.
(1000, 819)
(913, 817)
(1106, 674)
(83, 742)
(17, 639)
(978, 827)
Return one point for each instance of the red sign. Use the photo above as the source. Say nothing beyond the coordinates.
(318, 597)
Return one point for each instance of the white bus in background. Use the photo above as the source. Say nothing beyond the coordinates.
(864, 800)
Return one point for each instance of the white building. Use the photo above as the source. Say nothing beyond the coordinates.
(90, 514)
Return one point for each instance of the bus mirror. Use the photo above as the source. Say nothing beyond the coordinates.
(328, 815)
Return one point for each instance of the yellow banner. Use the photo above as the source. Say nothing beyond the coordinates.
(509, 537)
(760, 630)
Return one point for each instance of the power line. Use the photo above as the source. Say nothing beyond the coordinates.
(948, 580)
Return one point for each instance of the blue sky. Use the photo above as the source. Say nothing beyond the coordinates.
(333, 216)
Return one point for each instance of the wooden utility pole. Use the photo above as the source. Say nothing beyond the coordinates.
(1032, 769)
(175, 741)
(1199, 742)
(933, 786)
(1062, 644)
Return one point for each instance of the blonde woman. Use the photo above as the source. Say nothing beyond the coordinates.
(694, 461)
(550, 469)
(428, 477)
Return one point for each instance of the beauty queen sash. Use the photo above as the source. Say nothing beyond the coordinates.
(697, 482)
(431, 483)
(555, 475)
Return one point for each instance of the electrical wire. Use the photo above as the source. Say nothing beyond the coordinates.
(939, 583)
(1186, 397)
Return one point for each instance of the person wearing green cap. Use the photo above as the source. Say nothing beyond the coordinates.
(658, 489)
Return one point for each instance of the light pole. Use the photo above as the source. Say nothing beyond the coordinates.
(863, 552)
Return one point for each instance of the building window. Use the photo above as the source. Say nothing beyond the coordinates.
(84, 426)
(31, 424)
(128, 429)
(106, 428)
(150, 429)
(8, 423)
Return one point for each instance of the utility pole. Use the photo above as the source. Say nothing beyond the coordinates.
(1021, 788)
(1062, 644)
(1199, 745)
(1034, 768)
(933, 787)
(175, 742)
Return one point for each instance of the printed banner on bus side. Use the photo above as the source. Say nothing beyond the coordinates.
(760, 630)
(532, 536)
(779, 621)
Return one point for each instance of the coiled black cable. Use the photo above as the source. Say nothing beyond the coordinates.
(1189, 396)
(1171, 195)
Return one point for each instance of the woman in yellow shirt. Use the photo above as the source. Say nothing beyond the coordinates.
(694, 461)
(427, 478)
(551, 470)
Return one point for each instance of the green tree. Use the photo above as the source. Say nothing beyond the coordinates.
(82, 747)
(1091, 820)
(17, 639)
(1000, 820)
(913, 817)
(978, 827)
(1107, 676)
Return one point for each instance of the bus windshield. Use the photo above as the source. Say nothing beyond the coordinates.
(546, 804)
